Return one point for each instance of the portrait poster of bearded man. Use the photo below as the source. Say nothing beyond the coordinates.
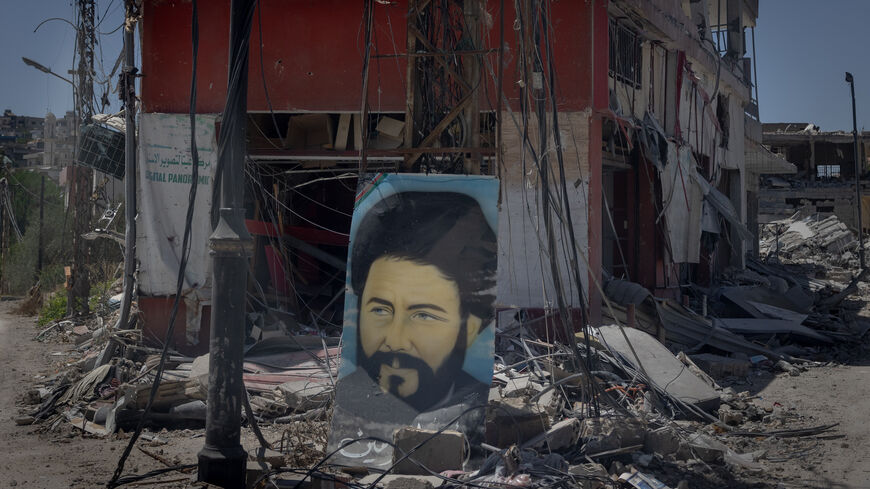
(419, 308)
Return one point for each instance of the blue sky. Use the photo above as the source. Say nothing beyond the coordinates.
(30, 92)
(804, 49)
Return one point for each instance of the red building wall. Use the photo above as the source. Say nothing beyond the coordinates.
(312, 55)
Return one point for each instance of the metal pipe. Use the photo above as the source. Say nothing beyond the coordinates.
(129, 98)
(222, 459)
(851, 81)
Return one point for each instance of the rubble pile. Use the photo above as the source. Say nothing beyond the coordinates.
(668, 404)
(813, 239)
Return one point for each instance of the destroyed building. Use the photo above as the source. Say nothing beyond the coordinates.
(656, 114)
(823, 181)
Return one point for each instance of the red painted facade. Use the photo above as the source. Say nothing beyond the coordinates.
(312, 55)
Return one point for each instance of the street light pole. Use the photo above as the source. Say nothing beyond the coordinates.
(222, 459)
(851, 81)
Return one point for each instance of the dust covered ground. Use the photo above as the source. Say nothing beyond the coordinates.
(32, 457)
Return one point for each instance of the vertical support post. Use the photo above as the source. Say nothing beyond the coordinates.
(411, 76)
(41, 209)
(858, 168)
(471, 62)
(222, 459)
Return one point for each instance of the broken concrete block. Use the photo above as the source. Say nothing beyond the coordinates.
(719, 367)
(730, 416)
(444, 451)
(548, 402)
(784, 366)
(272, 457)
(513, 421)
(303, 395)
(24, 420)
(409, 483)
(563, 434)
(520, 387)
(663, 441)
(605, 434)
(592, 476)
(254, 471)
(706, 448)
(663, 368)
(395, 481)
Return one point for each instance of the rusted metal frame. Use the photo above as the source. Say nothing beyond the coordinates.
(498, 95)
(430, 138)
(364, 109)
(411, 76)
(472, 12)
(438, 59)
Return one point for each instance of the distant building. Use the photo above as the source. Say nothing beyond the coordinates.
(824, 176)
(20, 136)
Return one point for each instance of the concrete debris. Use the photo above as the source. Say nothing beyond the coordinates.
(394, 481)
(608, 434)
(273, 458)
(302, 395)
(418, 450)
(652, 359)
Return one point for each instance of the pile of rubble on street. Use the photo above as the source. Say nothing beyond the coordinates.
(669, 402)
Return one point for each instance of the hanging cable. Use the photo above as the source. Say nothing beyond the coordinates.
(185, 252)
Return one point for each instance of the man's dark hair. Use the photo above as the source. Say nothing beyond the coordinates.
(445, 229)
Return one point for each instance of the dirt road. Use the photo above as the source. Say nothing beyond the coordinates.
(835, 394)
(64, 458)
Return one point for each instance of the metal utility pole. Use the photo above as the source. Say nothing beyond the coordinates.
(41, 208)
(222, 460)
(851, 81)
(128, 79)
(80, 183)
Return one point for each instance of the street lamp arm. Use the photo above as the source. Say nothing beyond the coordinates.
(34, 64)
(56, 18)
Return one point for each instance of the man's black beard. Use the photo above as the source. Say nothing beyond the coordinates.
(432, 387)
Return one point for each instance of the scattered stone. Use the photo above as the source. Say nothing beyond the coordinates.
(24, 420)
(784, 366)
(303, 395)
(605, 434)
(730, 416)
(395, 481)
(718, 366)
(663, 441)
(265, 455)
(563, 434)
(409, 483)
(520, 387)
(592, 476)
(514, 420)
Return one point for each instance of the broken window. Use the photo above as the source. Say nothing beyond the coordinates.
(828, 171)
(625, 54)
